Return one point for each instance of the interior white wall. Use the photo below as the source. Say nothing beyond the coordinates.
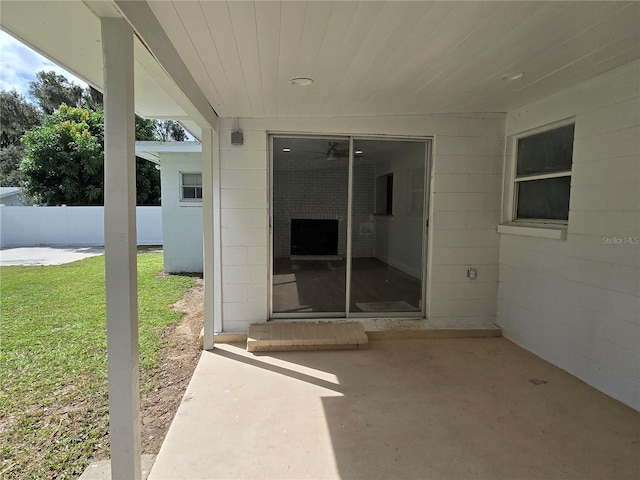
(576, 302)
(468, 154)
(399, 236)
(181, 221)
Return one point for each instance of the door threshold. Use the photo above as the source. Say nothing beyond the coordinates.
(403, 327)
(373, 328)
(294, 336)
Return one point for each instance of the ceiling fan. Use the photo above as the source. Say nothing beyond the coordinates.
(334, 153)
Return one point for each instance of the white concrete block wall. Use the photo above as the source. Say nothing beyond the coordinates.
(467, 164)
(181, 221)
(467, 184)
(576, 302)
(244, 226)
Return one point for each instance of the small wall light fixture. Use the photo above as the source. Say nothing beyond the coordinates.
(237, 137)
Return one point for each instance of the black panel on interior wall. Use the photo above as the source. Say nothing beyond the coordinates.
(314, 237)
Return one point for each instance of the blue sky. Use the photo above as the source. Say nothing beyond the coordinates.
(19, 64)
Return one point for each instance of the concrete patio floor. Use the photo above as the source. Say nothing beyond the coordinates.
(46, 255)
(418, 409)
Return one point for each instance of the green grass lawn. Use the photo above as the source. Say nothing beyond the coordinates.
(53, 360)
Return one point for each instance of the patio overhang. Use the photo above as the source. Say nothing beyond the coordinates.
(236, 59)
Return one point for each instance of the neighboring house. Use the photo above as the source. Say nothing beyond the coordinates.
(180, 165)
(11, 197)
(484, 153)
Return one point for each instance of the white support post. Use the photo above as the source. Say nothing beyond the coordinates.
(120, 248)
(211, 235)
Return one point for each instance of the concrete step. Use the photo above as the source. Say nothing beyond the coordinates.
(288, 336)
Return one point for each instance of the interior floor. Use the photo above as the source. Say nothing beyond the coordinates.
(301, 286)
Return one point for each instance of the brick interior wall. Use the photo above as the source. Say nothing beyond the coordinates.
(321, 193)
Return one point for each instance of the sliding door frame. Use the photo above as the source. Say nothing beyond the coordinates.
(346, 314)
(281, 315)
(427, 141)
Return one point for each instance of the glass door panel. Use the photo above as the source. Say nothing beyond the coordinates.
(309, 221)
(387, 227)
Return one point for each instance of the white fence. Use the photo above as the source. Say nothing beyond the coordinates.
(72, 226)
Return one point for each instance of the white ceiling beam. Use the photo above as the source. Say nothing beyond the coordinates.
(151, 33)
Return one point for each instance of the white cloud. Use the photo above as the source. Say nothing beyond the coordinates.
(19, 64)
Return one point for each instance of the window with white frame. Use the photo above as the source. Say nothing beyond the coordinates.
(543, 175)
(190, 187)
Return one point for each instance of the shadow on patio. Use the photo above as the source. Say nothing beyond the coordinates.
(446, 409)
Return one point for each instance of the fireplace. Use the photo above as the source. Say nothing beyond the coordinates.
(314, 237)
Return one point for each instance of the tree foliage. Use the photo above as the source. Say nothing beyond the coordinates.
(63, 160)
(145, 129)
(147, 183)
(147, 176)
(17, 116)
(10, 158)
(52, 90)
(170, 130)
(92, 98)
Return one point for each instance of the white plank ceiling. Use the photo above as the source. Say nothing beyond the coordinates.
(383, 58)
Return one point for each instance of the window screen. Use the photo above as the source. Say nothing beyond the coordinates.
(544, 199)
(546, 152)
(543, 175)
(191, 186)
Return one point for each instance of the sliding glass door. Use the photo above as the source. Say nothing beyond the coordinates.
(309, 222)
(348, 226)
(387, 227)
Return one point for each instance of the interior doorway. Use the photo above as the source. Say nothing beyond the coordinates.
(348, 226)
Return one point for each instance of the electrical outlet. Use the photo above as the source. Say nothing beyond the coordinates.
(472, 273)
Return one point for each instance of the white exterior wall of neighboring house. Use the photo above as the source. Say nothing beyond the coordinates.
(11, 197)
(181, 221)
(576, 302)
(465, 207)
